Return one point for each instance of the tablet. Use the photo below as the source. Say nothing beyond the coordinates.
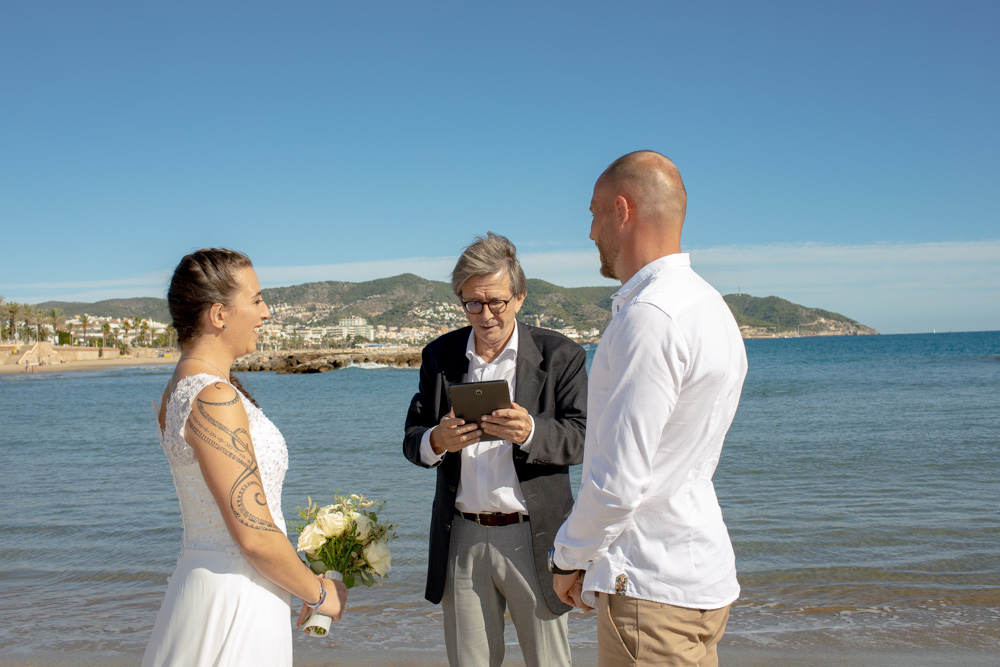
(472, 400)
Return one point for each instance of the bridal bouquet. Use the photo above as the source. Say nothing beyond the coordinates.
(345, 540)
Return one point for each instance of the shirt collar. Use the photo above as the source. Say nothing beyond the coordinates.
(627, 291)
(509, 351)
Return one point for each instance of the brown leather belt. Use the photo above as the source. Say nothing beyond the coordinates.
(494, 518)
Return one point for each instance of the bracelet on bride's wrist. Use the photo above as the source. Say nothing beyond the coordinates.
(322, 596)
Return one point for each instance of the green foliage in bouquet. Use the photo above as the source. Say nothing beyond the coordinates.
(346, 536)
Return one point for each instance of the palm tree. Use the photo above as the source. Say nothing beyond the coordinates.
(84, 321)
(106, 330)
(3, 300)
(13, 312)
(33, 318)
(145, 332)
(41, 317)
(25, 331)
(126, 326)
(56, 319)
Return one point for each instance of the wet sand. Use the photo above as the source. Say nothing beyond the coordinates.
(733, 657)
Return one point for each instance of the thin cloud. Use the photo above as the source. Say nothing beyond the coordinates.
(155, 278)
(893, 287)
(804, 268)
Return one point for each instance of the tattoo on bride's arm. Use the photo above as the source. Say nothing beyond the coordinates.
(246, 496)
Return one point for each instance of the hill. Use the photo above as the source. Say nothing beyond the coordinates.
(580, 307)
(409, 300)
(403, 300)
(143, 307)
(385, 301)
(775, 316)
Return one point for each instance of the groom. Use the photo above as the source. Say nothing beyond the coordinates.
(498, 503)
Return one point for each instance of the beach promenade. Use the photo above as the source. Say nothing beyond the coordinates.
(47, 358)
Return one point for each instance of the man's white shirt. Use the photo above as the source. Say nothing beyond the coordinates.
(664, 386)
(488, 482)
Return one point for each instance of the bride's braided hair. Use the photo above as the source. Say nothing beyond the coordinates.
(202, 278)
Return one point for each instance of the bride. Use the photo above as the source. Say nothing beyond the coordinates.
(227, 602)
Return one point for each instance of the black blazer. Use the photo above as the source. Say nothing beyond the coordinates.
(552, 387)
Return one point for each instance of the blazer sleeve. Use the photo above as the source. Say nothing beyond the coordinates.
(559, 433)
(425, 408)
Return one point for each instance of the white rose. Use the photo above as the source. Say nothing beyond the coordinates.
(364, 526)
(323, 511)
(332, 525)
(377, 555)
(311, 539)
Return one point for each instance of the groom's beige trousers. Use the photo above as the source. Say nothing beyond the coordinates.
(634, 633)
(490, 568)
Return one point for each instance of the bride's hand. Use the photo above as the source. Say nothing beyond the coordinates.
(336, 598)
(303, 615)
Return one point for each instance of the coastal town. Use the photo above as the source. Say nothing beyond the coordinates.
(31, 336)
(37, 336)
(290, 327)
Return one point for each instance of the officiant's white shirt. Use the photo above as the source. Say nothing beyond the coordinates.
(488, 482)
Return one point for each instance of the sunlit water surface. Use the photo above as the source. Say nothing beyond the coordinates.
(860, 483)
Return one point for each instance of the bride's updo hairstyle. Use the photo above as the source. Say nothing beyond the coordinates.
(204, 277)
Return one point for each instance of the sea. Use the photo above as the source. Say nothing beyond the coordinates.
(860, 483)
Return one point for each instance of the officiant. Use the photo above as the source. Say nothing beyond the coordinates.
(498, 503)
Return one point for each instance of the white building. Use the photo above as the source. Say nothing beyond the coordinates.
(356, 327)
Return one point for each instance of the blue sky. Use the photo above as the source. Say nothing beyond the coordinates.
(840, 155)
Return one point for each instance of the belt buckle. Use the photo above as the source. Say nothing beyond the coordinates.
(488, 515)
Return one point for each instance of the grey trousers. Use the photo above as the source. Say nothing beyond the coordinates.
(491, 569)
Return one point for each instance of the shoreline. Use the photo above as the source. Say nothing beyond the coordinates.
(284, 361)
(293, 361)
(87, 365)
(582, 657)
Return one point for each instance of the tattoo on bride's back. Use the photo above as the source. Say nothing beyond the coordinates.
(246, 496)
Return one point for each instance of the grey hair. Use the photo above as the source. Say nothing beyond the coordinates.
(488, 256)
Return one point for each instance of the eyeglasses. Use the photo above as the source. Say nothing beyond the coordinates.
(496, 306)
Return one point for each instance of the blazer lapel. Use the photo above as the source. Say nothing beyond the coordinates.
(454, 366)
(530, 377)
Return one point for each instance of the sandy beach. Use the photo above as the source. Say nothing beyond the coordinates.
(88, 365)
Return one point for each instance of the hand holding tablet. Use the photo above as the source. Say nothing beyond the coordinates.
(472, 400)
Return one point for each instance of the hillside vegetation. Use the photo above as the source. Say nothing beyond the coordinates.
(145, 307)
(774, 315)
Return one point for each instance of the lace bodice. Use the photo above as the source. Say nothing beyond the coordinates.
(204, 527)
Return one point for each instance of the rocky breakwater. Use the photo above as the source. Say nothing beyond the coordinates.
(321, 361)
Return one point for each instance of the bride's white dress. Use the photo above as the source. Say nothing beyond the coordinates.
(217, 609)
